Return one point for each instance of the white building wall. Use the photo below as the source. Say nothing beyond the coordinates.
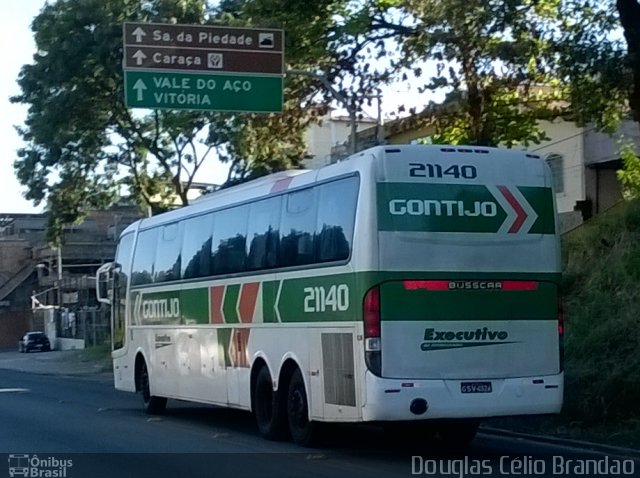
(320, 138)
(567, 140)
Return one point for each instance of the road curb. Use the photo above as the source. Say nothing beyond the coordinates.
(570, 442)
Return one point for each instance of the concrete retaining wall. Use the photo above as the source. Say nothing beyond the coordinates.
(69, 344)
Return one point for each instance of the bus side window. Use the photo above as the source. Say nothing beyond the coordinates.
(229, 253)
(196, 247)
(167, 262)
(336, 217)
(119, 300)
(297, 228)
(262, 236)
(144, 257)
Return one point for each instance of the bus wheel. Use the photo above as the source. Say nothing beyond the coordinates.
(267, 407)
(303, 431)
(457, 433)
(152, 405)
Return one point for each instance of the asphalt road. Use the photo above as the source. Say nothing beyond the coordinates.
(105, 433)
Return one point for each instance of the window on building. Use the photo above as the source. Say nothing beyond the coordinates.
(556, 163)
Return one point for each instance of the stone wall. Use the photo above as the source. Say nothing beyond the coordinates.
(569, 220)
(13, 256)
(13, 325)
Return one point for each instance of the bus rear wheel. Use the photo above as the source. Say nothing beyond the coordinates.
(152, 405)
(303, 431)
(268, 408)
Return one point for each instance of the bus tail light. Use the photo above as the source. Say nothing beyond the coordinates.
(372, 344)
(560, 317)
(561, 331)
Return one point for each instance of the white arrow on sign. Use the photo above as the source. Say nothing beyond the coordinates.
(139, 86)
(138, 33)
(139, 56)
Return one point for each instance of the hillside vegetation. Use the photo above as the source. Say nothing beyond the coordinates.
(601, 297)
(602, 309)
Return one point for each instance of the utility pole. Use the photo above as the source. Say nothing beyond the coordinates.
(379, 123)
(60, 276)
(346, 102)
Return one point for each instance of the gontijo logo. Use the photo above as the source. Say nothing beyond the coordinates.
(451, 339)
(465, 208)
(431, 207)
(157, 309)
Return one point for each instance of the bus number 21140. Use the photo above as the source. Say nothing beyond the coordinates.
(321, 299)
(419, 170)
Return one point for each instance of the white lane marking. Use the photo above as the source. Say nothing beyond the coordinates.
(13, 390)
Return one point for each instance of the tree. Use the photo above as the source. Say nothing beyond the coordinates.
(603, 75)
(629, 11)
(492, 58)
(84, 146)
(261, 144)
(328, 50)
(591, 63)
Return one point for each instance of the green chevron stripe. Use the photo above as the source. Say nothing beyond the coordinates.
(269, 292)
(541, 200)
(230, 303)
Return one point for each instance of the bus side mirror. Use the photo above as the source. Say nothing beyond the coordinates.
(104, 285)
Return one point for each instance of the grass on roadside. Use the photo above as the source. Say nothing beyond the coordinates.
(601, 295)
(100, 354)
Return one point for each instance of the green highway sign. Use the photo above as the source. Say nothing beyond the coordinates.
(203, 91)
(203, 67)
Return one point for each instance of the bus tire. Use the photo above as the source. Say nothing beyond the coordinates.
(268, 408)
(457, 433)
(152, 405)
(303, 431)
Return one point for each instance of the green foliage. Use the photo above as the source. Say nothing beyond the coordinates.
(259, 144)
(494, 61)
(629, 175)
(592, 63)
(504, 66)
(83, 144)
(84, 147)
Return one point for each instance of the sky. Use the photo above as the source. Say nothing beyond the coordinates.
(17, 48)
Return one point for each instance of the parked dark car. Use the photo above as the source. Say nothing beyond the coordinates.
(34, 341)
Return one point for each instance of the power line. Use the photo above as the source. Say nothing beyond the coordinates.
(581, 133)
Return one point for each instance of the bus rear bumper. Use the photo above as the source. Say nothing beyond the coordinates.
(391, 399)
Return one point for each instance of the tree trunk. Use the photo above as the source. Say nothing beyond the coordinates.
(629, 11)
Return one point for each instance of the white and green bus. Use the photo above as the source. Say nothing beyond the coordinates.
(406, 284)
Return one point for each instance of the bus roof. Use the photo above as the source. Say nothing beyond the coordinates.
(282, 180)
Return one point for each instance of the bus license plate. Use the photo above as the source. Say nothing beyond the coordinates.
(475, 387)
